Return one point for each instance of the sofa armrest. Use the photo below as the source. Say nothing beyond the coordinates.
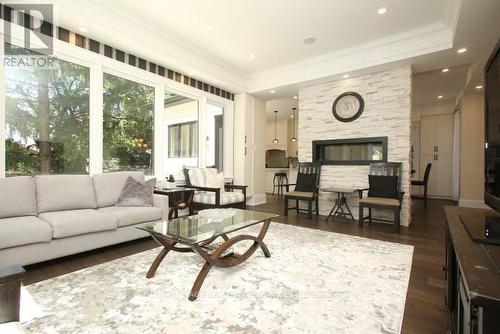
(161, 201)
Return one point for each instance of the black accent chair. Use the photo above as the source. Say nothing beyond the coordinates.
(423, 182)
(207, 193)
(384, 192)
(306, 188)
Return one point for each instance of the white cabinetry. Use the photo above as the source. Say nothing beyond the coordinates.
(436, 147)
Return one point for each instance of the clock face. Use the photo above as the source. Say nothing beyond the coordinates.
(348, 106)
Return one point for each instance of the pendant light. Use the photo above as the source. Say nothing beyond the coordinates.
(293, 125)
(275, 140)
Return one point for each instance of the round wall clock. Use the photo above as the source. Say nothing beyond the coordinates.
(348, 106)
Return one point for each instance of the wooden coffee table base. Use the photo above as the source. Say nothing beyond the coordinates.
(211, 260)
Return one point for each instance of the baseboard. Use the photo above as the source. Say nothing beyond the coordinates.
(470, 203)
(257, 199)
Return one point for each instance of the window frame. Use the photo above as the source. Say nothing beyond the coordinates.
(98, 65)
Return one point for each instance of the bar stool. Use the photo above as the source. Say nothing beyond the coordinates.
(280, 180)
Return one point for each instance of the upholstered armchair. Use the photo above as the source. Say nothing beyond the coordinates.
(212, 191)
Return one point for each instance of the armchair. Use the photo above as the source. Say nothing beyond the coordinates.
(211, 190)
(384, 192)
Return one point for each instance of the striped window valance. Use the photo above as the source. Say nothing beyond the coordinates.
(9, 14)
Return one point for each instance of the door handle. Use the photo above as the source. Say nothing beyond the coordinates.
(245, 151)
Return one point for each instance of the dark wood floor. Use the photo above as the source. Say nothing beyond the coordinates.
(424, 311)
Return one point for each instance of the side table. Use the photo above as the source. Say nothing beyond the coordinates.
(340, 208)
(10, 292)
(179, 198)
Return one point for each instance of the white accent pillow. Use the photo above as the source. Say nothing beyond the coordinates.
(216, 181)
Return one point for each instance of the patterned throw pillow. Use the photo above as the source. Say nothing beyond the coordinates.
(134, 193)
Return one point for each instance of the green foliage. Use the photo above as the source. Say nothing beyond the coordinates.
(128, 121)
(128, 124)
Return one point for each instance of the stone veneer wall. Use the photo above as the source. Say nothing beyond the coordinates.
(387, 96)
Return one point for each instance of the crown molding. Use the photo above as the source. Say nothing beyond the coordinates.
(431, 38)
(417, 42)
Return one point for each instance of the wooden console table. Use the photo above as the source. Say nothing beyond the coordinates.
(472, 274)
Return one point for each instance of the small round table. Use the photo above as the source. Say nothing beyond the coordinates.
(340, 208)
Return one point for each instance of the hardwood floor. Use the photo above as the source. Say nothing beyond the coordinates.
(425, 309)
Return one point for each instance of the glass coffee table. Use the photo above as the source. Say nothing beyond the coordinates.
(199, 233)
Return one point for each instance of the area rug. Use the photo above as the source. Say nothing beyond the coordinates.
(314, 282)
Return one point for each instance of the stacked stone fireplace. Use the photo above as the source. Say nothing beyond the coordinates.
(387, 97)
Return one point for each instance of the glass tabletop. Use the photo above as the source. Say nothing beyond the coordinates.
(207, 224)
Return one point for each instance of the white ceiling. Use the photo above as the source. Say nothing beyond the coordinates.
(212, 39)
(274, 30)
(283, 106)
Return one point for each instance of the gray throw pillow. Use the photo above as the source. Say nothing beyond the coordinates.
(135, 193)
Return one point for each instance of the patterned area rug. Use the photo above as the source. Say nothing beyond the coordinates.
(314, 282)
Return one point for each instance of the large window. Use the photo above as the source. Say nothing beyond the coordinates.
(183, 140)
(181, 124)
(46, 114)
(128, 125)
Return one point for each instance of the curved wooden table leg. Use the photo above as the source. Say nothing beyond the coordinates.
(157, 261)
(199, 281)
(229, 261)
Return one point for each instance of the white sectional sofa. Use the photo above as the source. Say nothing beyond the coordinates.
(50, 216)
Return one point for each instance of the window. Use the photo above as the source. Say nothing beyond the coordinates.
(46, 114)
(183, 140)
(215, 136)
(182, 137)
(128, 125)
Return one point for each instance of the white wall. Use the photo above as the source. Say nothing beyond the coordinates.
(387, 96)
(472, 151)
(249, 163)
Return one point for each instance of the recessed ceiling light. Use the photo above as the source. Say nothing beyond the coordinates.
(440, 96)
(272, 91)
(252, 55)
(479, 86)
(444, 70)
(309, 40)
(295, 97)
(209, 27)
(82, 29)
(462, 50)
(382, 11)
(345, 76)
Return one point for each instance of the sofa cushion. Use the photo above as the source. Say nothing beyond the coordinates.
(64, 192)
(17, 197)
(76, 222)
(135, 193)
(225, 198)
(133, 215)
(18, 231)
(108, 186)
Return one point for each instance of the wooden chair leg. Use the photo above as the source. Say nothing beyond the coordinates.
(360, 217)
(297, 207)
(425, 196)
(397, 214)
(286, 207)
(309, 210)
(370, 216)
(317, 207)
